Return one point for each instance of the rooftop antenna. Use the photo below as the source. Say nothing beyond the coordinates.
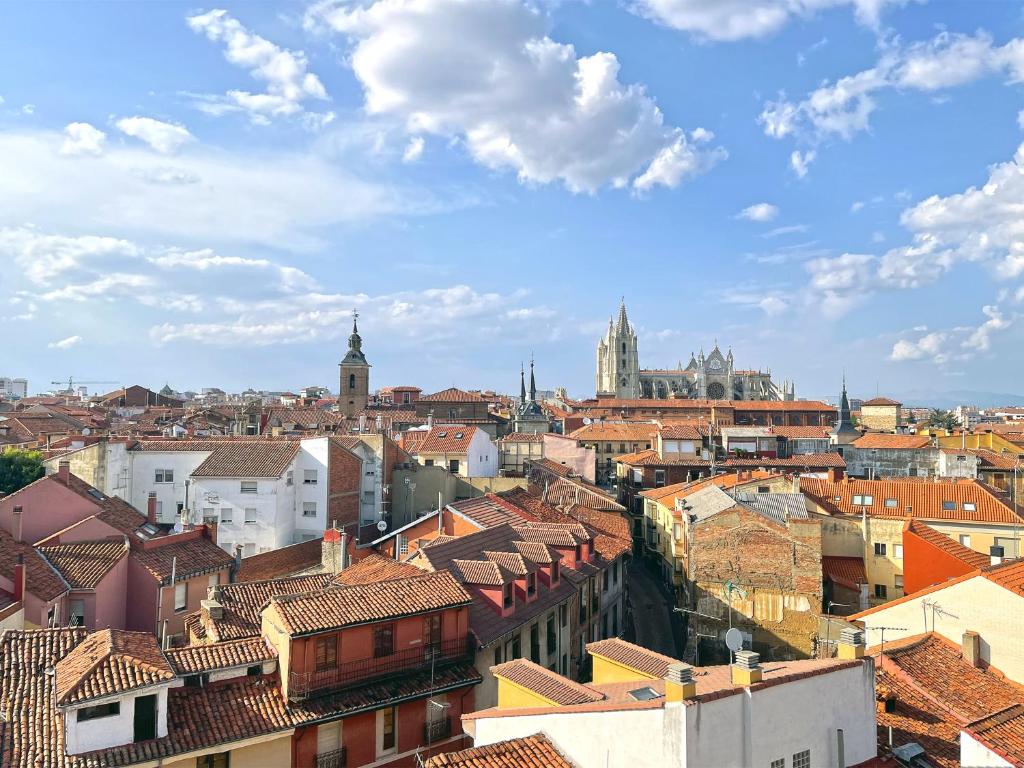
(883, 630)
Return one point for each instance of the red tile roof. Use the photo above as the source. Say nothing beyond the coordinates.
(828, 460)
(284, 561)
(1002, 732)
(947, 544)
(546, 683)
(881, 401)
(188, 557)
(801, 433)
(481, 572)
(522, 437)
(486, 511)
(632, 656)
(113, 511)
(447, 439)
(651, 458)
(846, 571)
(193, 659)
(376, 568)
(41, 579)
(110, 662)
(616, 432)
(681, 431)
(925, 498)
(452, 395)
(902, 442)
(264, 458)
(83, 564)
(529, 752)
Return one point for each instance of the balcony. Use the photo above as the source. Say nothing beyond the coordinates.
(345, 674)
(437, 730)
(335, 759)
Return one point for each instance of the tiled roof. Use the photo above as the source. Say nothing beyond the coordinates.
(190, 557)
(801, 460)
(115, 512)
(529, 752)
(264, 458)
(559, 490)
(186, 444)
(992, 460)
(522, 437)
(651, 458)
(846, 571)
(447, 439)
(1002, 732)
(537, 552)
(615, 432)
(244, 602)
(555, 535)
(482, 572)
(486, 511)
(452, 395)
(284, 561)
(83, 564)
(680, 431)
(552, 467)
(375, 568)
(110, 662)
(609, 530)
(513, 562)
(881, 401)
(667, 494)
(41, 579)
(916, 719)
(342, 606)
(882, 440)
(925, 498)
(546, 683)
(947, 544)
(193, 659)
(801, 433)
(632, 656)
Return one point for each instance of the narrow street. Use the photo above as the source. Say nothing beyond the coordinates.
(651, 609)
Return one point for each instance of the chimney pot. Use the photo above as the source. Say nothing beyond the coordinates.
(995, 554)
(679, 684)
(151, 507)
(18, 517)
(851, 643)
(971, 645)
(64, 471)
(746, 668)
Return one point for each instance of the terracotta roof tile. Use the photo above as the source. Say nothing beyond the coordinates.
(651, 458)
(193, 659)
(482, 572)
(264, 458)
(881, 401)
(682, 431)
(447, 439)
(486, 511)
(83, 564)
(529, 752)
(188, 557)
(801, 433)
(376, 568)
(546, 683)
(513, 562)
(615, 432)
(522, 437)
(552, 466)
(110, 662)
(452, 395)
(881, 440)
(41, 579)
(846, 571)
(341, 606)
(947, 544)
(1002, 732)
(284, 561)
(632, 656)
(829, 460)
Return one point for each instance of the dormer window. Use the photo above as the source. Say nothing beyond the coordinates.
(109, 709)
(579, 553)
(531, 585)
(507, 601)
(554, 572)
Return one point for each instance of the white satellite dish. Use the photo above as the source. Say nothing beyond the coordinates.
(734, 640)
(382, 525)
(587, 420)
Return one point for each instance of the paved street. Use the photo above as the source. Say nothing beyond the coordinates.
(651, 609)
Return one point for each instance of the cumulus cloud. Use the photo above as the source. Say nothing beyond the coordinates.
(82, 139)
(165, 138)
(957, 344)
(843, 108)
(759, 212)
(413, 150)
(839, 283)
(289, 83)
(67, 343)
(739, 19)
(800, 162)
(488, 74)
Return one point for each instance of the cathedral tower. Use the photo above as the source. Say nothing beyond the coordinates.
(354, 381)
(618, 362)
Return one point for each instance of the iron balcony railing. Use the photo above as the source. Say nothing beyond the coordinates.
(437, 730)
(345, 674)
(337, 758)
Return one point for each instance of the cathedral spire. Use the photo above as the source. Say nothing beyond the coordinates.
(522, 384)
(533, 383)
(623, 324)
(844, 432)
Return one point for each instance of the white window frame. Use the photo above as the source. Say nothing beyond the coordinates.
(381, 752)
(309, 477)
(254, 515)
(180, 596)
(163, 476)
(249, 486)
(309, 509)
(225, 515)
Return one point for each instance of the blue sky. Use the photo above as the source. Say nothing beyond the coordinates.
(200, 194)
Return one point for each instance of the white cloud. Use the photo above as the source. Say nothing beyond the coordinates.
(957, 344)
(844, 108)
(857, 206)
(839, 283)
(82, 139)
(165, 138)
(67, 343)
(289, 83)
(739, 19)
(487, 74)
(800, 162)
(787, 230)
(413, 150)
(759, 212)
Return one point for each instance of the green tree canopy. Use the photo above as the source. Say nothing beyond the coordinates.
(18, 468)
(943, 419)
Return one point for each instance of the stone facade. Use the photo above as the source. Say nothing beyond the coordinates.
(711, 377)
(354, 378)
(881, 414)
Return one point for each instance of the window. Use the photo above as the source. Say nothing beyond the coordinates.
(802, 759)
(965, 539)
(898, 581)
(209, 514)
(891, 503)
(388, 741)
(327, 652)
(351, 381)
(98, 711)
(219, 760)
(309, 477)
(288, 478)
(897, 551)
(551, 630)
(949, 505)
(506, 599)
(970, 506)
(432, 631)
(531, 585)
(517, 648)
(248, 486)
(309, 509)
(606, 578)
(181, 596)
(428, 463)
(383, 640)
(879, 549)
(615, 571)
(164, 476)
(77, 616)
(225, 515)
(250, 514)
(499, 654)
(563, 615)
(453, 466)
(763, 489)
(554, 572)
(881, 592)
(535, 643)
(864, 501)
(659, 478)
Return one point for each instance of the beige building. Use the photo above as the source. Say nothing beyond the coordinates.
(611, 439)
(881, 414)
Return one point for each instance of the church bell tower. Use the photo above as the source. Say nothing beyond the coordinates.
(354, 380)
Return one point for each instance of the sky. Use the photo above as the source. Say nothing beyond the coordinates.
(200, 195)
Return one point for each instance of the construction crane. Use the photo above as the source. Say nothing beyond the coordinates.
(72, 383)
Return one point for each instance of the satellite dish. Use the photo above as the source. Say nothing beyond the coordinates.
(587, 420)
(734, 640)
(382, 525)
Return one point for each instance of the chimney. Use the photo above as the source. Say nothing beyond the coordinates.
(995, 554)
(796, 483)
(17, 524)
(971, 644)
(151, 507)
(238, 557)
(430, 420)
(211, 608)
(679, 684)
(19, 578)
(332, 551)
(851, 643)
(746, 668)
(63, 471)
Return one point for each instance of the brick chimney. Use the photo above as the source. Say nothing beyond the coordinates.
(151, 507)
(851, 644)
(332, 552)
(746, 668)
(19, 578)
(64, 471)
(679, 684)
(17, 524)
(971, 644)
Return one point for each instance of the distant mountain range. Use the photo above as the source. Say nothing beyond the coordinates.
(920, 398)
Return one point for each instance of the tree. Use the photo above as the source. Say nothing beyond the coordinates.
(18, 468)
(943, 420)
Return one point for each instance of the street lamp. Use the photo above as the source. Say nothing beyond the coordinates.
(828, 624)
